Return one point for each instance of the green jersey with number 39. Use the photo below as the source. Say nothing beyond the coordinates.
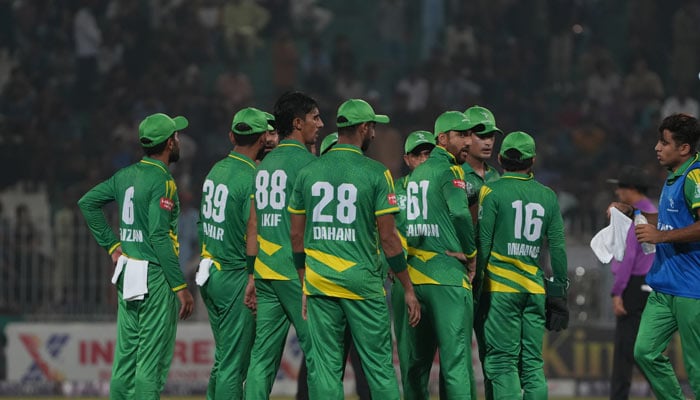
(341, 195)
(274, 181)
(225, 210)
(148, 209)
(438, 220)
(516, 213)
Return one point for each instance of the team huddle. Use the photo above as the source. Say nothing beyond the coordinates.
(289, 238)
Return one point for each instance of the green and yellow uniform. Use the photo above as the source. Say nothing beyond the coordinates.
(276, 279)
(438, 220)
(474, 181)
(342, 194)
(516, 213)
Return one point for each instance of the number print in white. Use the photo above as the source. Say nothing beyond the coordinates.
(417, 203)
(346, 212)
(530, 225)
(276, 184)
(128, 206)
(214, 205)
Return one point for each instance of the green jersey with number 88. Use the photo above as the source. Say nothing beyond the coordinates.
(341, 194)
(274, 181)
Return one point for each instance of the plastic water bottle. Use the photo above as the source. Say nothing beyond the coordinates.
(639, 218)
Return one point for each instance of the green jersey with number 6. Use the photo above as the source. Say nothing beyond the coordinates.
(438, 220)
(225, 210)
(146, 195)
(516, 213)
(274, 181)
(341, 195)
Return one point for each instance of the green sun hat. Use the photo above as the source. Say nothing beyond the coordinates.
(157, 128)
(520, 141)
(451, 121)
(257, 121)
(357, 111)
(328, 142)
(478, 115)
(418, 138)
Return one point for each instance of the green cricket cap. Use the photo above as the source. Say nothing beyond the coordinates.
(328, 142)
(478, 115)
(418, 138)
(357, 111)
(157, 128)
(451, 121)
(255, 121)
(520, 141)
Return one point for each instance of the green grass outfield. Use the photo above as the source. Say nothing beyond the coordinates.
(279, 398)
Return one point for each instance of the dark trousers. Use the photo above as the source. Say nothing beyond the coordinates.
(634, 300)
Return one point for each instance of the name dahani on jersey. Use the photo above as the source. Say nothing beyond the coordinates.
(130, 235)
(212, 231)
(334, 233)
(416, 230)
(522, 249)
(270, 219)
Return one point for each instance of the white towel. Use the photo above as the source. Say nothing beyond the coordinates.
(118, 268)
(202, 274)
(611, 241)
(135, 280)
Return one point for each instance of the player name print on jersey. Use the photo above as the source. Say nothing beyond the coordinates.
(130, 235)
(212, 231)
(415, 230)
(522, 249)
(334, 233)
(270, 219)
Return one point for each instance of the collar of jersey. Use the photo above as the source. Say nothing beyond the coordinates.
(346, 147)
(291, 143)
(155, 163)
(672, 176)
(515, 175)
(468, 168)
(442, 152)
(240, 157)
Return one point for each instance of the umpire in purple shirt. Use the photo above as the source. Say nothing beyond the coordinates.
(629, 291)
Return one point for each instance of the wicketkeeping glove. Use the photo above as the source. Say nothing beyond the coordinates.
(556, 309)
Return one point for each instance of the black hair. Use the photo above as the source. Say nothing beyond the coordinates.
(155, 150)
(289, 106)
(245, 140)
(421, 147)
(511, 162)
(683, 127)
(641, 189)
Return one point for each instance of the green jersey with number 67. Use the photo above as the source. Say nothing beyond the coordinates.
(225, 210)
(516, 213)
(274, 181)
(149, 207)
(341, 195)
(438, 220)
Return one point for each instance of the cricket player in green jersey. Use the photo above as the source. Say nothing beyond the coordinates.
(277, 286)
(342, 206)
(222, 274)
(516, 214)
(417, 148)
(477, 172)
(147, 273)
(440, 239)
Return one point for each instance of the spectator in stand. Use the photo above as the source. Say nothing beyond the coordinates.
(680, 102)
(88, 38)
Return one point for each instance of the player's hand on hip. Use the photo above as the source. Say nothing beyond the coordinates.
(251, 299)
(618, 306)
(413, 307)
(303, 307)
(116, 254)
(186, 303)
(469, 263)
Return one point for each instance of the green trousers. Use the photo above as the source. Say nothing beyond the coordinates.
(370, 329)
(233, 326)
(663, 315)
(513, 332)
(479, 319)
(446, 324)
(145, 341)
(279, 305)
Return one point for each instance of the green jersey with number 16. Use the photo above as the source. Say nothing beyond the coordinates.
(341, 195)
(225, 210)
(274, 181)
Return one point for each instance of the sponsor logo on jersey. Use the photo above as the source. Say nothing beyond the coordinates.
(391, 197)
(459, 183)
(166, 204)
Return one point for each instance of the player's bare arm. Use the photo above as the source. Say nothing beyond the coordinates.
(297, 225)
(250, 299)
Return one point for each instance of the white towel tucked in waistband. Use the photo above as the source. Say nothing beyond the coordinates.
(203, 272)
(135, 284)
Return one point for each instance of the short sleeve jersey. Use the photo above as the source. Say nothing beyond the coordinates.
(474, 181)
(400, 217)
(225, 209)
(516, 214)
(342, 193)
(274, 181)
(438, 220)
(148, 209)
